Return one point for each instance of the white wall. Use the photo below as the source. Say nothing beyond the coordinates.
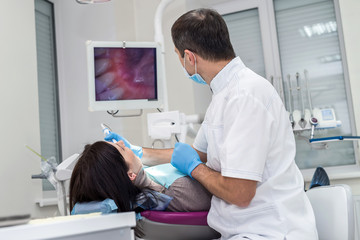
(350, 18)
(19, 121)
(76, 23)
(19, 95)
(178, 85)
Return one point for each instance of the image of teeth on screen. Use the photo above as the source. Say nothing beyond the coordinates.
(125, 73)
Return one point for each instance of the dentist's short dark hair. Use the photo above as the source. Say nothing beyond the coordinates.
(204, 32)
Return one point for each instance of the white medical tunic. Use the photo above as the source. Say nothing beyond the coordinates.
(246, 134)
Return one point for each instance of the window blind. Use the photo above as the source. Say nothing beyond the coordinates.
(245, 36)
(47, 81)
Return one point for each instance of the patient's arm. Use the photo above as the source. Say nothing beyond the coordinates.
(152, 157)
(142, 180)
(188, 196)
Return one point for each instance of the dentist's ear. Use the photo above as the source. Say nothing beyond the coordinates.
(132, 176)
(190, 57)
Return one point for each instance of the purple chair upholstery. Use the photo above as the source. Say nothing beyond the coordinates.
(161, 225)
(182, 218)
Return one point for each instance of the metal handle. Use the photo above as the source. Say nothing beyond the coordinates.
(38, 176)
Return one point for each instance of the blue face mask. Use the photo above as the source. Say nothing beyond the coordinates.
(195, 77)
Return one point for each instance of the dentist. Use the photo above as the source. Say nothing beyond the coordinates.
(244, 151)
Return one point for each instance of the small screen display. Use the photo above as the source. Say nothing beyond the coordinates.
(125, 73)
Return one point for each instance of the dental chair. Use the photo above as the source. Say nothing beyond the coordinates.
(334, 213)
(158, 225)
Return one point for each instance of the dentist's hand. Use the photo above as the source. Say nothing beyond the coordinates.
(185, 158)
(138, 151)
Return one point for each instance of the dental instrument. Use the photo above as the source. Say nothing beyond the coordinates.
(302, 121)
(313, 121)
(306, 75)
(106, 131)
(290, 102)
(281, 89)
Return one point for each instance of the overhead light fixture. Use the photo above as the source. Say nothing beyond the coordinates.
(91, 1)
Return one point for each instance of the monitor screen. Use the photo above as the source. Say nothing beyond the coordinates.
(124, 75)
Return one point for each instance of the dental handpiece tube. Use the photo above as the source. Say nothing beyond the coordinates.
(106, 132)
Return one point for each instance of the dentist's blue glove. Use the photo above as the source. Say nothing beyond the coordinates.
(185, 158)
(136, 149)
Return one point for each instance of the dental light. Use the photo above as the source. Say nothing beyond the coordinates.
(91, 1)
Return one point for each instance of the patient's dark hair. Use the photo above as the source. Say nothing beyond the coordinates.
(100, 173)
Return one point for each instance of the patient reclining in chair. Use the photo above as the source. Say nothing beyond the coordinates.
(112, 171)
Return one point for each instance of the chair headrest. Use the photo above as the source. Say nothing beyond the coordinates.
(105, 207)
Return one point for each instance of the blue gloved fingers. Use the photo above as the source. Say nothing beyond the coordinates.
(111, 136)
(138, 151)
(185, 158)
(117, 137)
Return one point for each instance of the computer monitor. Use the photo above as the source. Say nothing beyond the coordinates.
(124, 75)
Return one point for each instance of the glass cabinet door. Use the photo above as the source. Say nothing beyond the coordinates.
(309, 47)
(298, 42)
(245, 36)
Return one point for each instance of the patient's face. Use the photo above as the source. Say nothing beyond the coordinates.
(131, 159)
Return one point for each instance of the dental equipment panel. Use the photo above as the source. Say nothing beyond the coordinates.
(300, 115)
(326, 118)
(124, 75)
(162, 126)
(303, 116)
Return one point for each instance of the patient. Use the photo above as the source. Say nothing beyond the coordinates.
(111, 170)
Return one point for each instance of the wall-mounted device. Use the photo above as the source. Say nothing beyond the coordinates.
(124, 75)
